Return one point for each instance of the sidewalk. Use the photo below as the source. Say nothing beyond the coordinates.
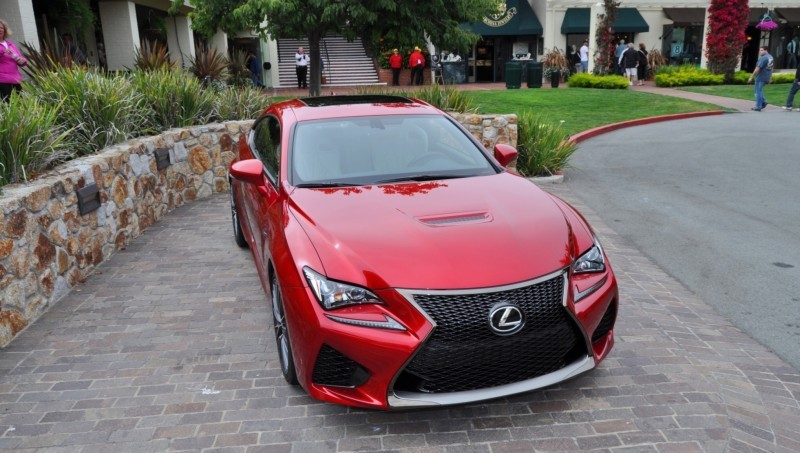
(738, 104)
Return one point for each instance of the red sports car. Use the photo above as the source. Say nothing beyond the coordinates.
(406, 266)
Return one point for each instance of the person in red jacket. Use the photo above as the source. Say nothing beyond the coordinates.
(417, 63)
(396, 63)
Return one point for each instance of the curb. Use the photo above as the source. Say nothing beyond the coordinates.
(539, 180)
(585, 135)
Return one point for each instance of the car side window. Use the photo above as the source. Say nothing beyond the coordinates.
(266, 145)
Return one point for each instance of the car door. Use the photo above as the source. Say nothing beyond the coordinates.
(262, 206)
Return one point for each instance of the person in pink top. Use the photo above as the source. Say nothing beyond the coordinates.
(10, 61)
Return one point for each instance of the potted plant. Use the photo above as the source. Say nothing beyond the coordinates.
(555, 64)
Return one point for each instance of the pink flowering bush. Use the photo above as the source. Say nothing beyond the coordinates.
(727, 21)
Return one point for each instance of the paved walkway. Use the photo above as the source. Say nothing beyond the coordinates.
(168, 347)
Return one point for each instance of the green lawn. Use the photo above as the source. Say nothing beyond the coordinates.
(775, 94)
(584, 108)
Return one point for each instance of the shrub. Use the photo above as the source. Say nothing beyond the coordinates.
(31, 138)
(543, 148)
(686, 75)
(586, 80)
(176, 98)
(100, 110)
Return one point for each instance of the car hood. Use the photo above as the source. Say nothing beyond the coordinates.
(449, 234)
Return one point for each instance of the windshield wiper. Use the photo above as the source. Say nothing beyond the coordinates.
(318, 185)
(420, 177)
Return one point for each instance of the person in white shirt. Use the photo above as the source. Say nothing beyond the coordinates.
(585, 56)
(301, 68)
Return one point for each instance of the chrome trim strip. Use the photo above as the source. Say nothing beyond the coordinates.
(413, 399)
(389, 324)
(409, 293)
(591, 289)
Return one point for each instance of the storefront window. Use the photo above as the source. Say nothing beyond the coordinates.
(683, 45)
(785, 46)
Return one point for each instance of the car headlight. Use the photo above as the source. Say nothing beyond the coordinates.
(591, 261)
(331, 294)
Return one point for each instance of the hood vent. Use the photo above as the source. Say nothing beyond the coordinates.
(456, 219)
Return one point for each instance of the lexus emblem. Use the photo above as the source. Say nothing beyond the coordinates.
(506, 319)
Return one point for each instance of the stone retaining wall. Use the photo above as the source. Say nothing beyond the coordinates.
(47, 247)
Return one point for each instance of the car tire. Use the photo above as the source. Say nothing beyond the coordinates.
(238, 234)
(281, 330)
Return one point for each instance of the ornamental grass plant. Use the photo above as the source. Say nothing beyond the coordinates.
(175, 98)
(151, 56)
(444, 97)
(67, 112)
(240, 102)
(543, 146)
(100, 110)
(32, 139)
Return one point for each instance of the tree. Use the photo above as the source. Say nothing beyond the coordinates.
(727, 22)
(439, 20)
(604, 38)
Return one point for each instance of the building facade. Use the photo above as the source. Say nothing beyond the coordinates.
(518, 29)
(677, 28)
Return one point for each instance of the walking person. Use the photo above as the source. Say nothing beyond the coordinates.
(417, 63)
(585, 56)
(792, 91)
(642, 69)
(301, 68)
(254, 66)
(11, 60)
(762, 76)
(621, 48)
(630, 61)
(396, 63)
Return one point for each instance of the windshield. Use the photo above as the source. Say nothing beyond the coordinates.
(383, 149)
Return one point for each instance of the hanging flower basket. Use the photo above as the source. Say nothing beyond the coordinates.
(767, 25)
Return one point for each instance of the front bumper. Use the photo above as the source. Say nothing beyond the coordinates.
(388, 369)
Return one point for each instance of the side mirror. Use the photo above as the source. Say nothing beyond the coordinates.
(505, 154)
(250, 171)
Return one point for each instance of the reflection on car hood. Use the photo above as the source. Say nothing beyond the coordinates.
(449, 234)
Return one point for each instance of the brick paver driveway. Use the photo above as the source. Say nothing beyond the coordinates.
(168, 347)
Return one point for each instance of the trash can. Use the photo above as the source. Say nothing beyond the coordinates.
(535, 70)
(454, 72)
(513, 74)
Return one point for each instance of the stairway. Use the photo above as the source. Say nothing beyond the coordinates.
(346, 63)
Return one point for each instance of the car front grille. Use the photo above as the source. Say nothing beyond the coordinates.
(464, 354)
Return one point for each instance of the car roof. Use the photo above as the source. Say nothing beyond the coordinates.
(325, 107)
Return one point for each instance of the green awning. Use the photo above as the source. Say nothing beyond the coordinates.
(576, 20)
(517, 18)
(629, 20)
